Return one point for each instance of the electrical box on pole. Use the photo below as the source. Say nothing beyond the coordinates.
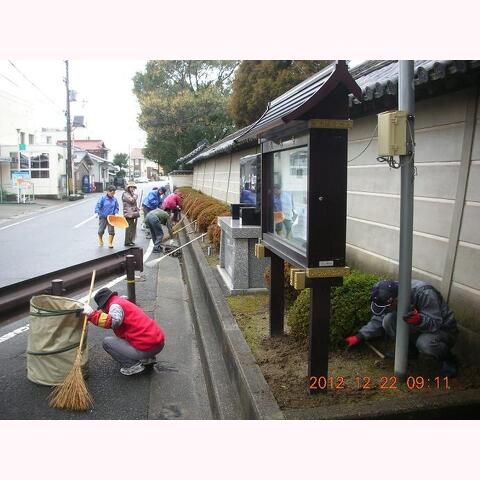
(392, 133)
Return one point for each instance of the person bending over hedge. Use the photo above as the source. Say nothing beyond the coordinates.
(432, 325)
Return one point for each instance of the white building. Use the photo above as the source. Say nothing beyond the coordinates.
(25, 112)
(140, 166)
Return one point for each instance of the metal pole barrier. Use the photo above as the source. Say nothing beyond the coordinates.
(130, 266)
(406, 102)
(57, 287)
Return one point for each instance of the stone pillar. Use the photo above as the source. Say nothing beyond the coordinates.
(241, 271)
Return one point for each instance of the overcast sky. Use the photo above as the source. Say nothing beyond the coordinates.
(104, 97)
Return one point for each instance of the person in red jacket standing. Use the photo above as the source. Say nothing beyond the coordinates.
(137, 338)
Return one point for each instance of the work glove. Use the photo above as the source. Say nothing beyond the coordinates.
(87, 309)
(353, 340)
(412, 317)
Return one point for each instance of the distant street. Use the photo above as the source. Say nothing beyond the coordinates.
(56, 238)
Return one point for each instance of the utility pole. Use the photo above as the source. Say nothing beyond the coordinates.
(69, 138)
(406, 103)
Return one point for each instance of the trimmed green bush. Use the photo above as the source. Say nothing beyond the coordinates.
(349, 309)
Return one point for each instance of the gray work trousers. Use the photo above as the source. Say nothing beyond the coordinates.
(436, 344)
(102, 224)
(156, 230)
(124, 353)
(130, 231)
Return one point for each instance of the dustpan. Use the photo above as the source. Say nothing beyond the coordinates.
(278, 217)
(118, 221)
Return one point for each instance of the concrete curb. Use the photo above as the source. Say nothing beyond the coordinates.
(256, 398)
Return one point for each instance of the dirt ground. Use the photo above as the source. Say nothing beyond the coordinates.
(357, 375)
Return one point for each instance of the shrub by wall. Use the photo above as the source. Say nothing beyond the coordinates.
(205, 210)
(349, 309)
(210, 214)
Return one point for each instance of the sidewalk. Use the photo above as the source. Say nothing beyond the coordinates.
(10, 211)
(178, 388)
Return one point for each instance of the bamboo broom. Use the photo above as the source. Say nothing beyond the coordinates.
(73, 393)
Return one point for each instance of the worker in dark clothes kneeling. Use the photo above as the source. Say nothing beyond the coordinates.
(137, 339)
(432, 325)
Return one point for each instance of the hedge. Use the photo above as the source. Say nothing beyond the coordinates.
(349, 309)
(205, 210)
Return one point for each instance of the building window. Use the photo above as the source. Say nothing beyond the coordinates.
(22, 137)
(39, 165)
(49, 140)
(24, 161)
(31, 139)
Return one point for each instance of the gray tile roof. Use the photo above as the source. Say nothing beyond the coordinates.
(379, 78)
(203, 145)
(227, 144)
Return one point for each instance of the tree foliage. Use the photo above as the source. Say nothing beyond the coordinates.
(183, 102)
(257, 82)
(120, 160)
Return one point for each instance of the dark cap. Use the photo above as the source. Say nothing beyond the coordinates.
(382, 292)
(102, 296)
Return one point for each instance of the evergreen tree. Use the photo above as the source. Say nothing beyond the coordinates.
(257, 82)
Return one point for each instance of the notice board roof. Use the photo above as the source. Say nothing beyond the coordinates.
(300, 99)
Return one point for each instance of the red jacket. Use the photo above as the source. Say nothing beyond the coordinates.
(172, 201)
(137, 328)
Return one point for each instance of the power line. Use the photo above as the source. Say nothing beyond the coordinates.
(38, 88)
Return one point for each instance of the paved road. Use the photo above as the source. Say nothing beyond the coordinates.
(38, 242)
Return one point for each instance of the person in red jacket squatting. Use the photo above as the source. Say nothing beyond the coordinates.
(137, 338)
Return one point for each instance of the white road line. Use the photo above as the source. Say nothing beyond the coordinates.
(85, 221)
(14, 333)
(17, 331)
(17, 223)
(74, 204)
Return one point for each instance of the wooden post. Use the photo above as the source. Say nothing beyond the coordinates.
(319, 332)
(277, 295)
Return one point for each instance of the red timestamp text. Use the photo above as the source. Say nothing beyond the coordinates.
(419, 383)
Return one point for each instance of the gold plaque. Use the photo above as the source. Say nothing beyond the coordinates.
(327, 123)
(327, 272)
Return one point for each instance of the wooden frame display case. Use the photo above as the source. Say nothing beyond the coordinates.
(303, 137)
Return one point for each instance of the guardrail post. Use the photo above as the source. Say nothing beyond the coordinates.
(130, 267)
(57, 287)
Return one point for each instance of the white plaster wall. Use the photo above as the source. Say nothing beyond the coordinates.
(373, 208)
(374, 203)
(220, 177)
(180, 180)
